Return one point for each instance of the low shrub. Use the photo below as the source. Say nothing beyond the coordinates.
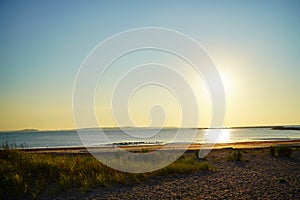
(272, 150)
(236, 155)
(200, 156)
(282, 180)
(282, 151)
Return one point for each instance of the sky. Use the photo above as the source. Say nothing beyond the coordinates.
(255, 46)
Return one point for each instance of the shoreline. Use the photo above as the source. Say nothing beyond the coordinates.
(136, 148)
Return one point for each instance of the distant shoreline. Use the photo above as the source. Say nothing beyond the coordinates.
(273, 127)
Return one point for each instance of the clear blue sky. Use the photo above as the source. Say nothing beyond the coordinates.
(255, 45)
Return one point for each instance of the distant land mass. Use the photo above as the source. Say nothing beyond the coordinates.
(286, 128)
(27, 130)
(276, 127)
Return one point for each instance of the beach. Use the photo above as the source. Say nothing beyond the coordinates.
(150, 100)
(258, 175)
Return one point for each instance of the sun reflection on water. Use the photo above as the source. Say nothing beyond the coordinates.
(218, 136)
(224, 136)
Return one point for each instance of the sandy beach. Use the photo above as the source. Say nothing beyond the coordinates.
(258, 176)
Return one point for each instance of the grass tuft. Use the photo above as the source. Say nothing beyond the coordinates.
(185, 165)
(282, 180)
(281, 151)
(236, 155)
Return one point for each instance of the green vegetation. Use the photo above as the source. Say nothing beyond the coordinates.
(282, 151)
(282, 180)
(236, 155)
(144, 150)
(25, 175)
(272, 150)
(198, 156)
(186, 164)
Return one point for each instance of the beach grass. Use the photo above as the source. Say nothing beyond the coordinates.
(281, 150)
(236, 155)
(29, 175)
(186, 164)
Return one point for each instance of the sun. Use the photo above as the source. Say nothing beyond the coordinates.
(227, 80)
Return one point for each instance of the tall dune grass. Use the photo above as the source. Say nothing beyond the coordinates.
(28, 175)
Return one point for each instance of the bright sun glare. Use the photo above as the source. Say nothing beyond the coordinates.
(224, 136)
(226, 80)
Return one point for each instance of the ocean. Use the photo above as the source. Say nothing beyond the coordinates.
(138, 136)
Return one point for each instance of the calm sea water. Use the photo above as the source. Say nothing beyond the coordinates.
(38, 139)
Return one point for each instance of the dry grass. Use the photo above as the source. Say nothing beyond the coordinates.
(24, 175)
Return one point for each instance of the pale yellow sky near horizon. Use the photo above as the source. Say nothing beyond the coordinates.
(245, 106)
